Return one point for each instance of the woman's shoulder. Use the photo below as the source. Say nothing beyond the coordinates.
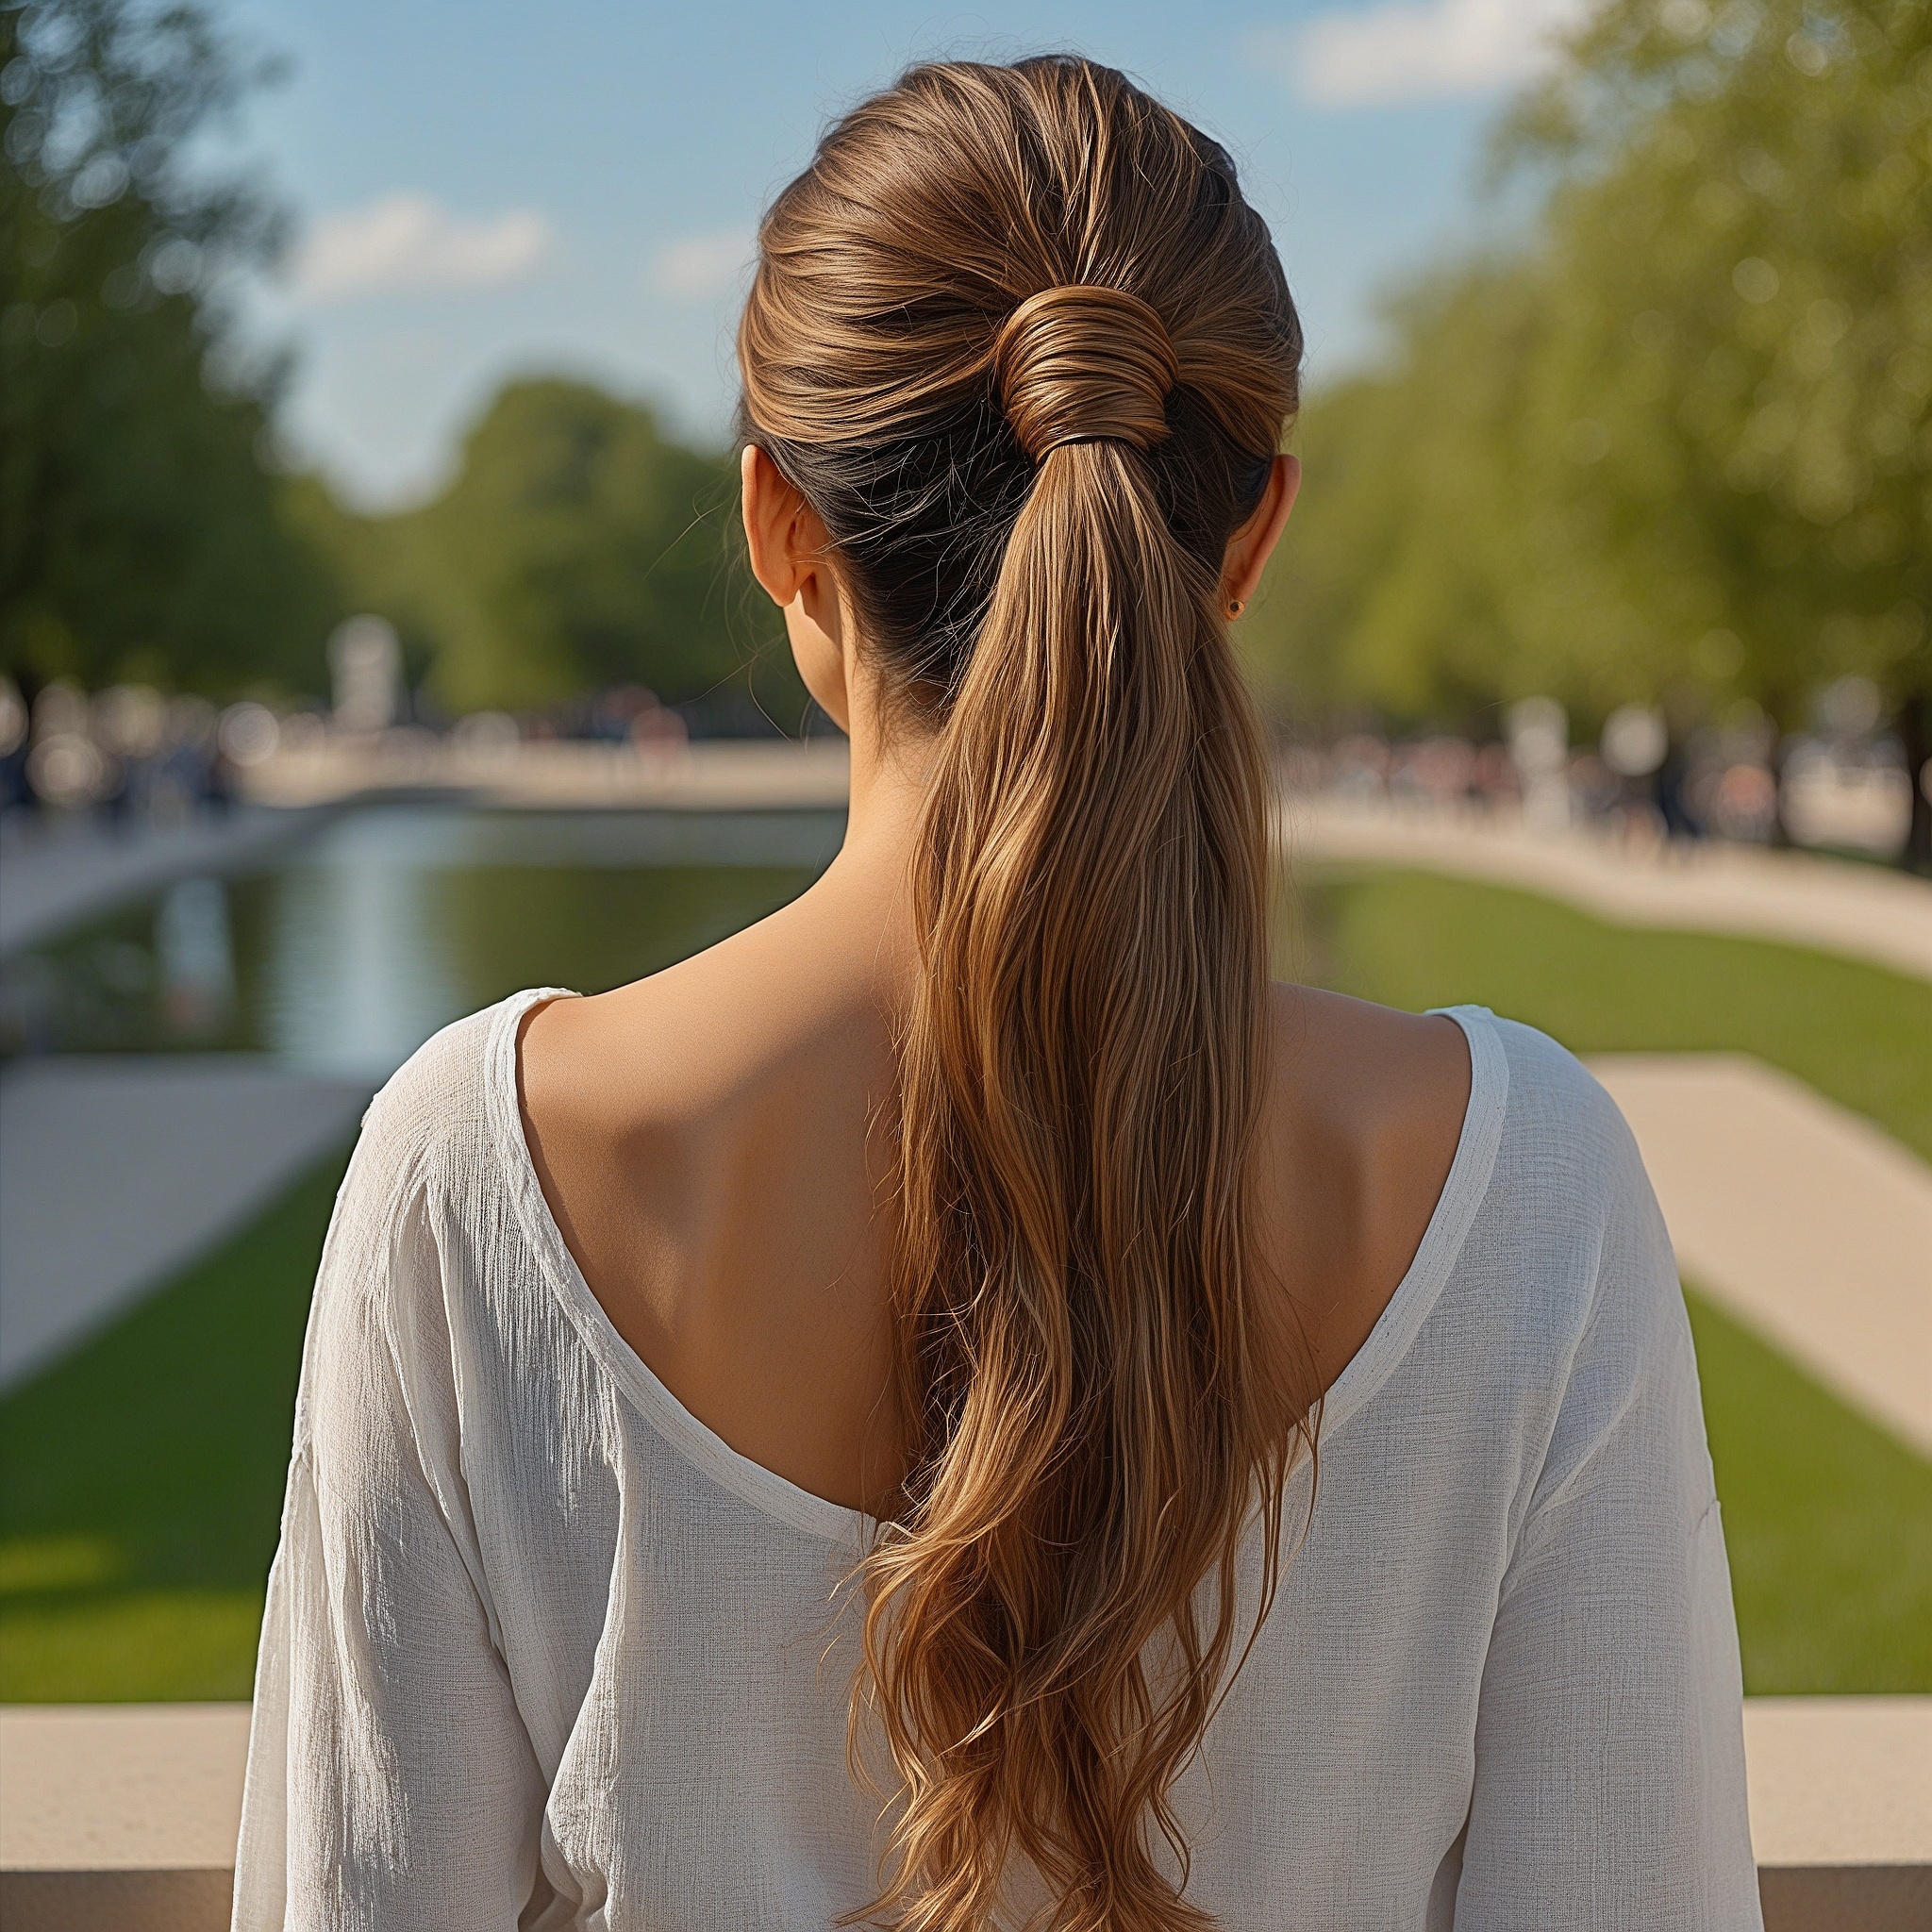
(445, 1100)
(1364, 1116)
(1420, 1082)
(428, 1184)
(1379, 1064)
(1373, 1099)
(1562, 1132)
(1385, 1123)
(1568, 1238)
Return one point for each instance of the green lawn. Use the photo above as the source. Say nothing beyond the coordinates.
(140, 1478)
(1858, 1034)
(1828, 1520)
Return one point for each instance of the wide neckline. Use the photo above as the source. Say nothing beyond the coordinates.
(1387, 1341)
(702, 1447)
(1440, 1246)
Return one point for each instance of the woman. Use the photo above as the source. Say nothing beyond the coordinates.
(830, 1433)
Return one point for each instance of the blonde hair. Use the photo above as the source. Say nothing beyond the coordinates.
(1019, 340)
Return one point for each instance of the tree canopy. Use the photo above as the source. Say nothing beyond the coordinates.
(1677, 442)
(575, 547)
(141, 532)
(147, 530)
(1672, 444)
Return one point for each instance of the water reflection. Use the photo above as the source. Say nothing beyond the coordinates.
(196, 954)
(353, 977)
(345, 953)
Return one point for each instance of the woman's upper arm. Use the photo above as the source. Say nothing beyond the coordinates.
(1609, 1778)
(391, 1780)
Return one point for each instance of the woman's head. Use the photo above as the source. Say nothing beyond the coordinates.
(983, 266)
(1027, 354)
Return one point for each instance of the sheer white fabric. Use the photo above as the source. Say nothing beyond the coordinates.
(543, 1651)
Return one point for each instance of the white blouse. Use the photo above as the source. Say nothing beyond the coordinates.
(543, 1651)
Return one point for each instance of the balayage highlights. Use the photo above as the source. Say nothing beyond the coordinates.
(1019, 340)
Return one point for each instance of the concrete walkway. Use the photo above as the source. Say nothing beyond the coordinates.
(57, 873)
(715, 774)
(117, 1173)
(1801, 898)
(1804, 1221)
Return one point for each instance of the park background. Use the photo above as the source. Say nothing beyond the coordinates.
(321, 523)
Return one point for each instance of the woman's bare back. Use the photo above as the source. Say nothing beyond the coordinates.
(710, 1142)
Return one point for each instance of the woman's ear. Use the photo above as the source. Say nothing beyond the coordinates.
(1250, 547)
(773, 512)
(790, 557)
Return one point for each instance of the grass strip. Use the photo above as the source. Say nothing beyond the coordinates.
(1859, 1035)
(1828, 1522)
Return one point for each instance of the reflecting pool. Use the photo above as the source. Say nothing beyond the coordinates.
(348, 950)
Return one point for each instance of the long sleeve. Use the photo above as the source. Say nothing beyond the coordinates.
(391, 1782)
(1610, 1782)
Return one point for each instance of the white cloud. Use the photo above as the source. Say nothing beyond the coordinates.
(411, 242)
(699, 265)
(1417, 50)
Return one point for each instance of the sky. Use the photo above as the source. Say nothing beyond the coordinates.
(487, 188)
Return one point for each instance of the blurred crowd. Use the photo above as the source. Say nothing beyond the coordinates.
(1844, 784)
(127, 755)
(130, 757)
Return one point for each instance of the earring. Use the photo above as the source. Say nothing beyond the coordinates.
(1235, 606)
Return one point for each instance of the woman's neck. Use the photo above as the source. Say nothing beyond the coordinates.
(866, 889)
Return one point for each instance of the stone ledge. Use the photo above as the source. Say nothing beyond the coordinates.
(1840, 1782)
(124, 1816)
(1842, 1811)
(166, 1900)
(1846, 1898)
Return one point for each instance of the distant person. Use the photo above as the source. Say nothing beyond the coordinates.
(115, 805)
(217, 780)
(17, 793)
(830, 1433)
(1674, 782)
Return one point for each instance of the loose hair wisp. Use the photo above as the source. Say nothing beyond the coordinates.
(1018, 339)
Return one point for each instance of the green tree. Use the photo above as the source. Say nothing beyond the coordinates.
(1741, 348)
(141, 529)
(1401, 583)
(577, 546)
(1680, 443)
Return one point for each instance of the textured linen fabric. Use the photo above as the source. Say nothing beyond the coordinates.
(543, 1651)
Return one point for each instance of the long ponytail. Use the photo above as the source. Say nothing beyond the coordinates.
(1101, 1392)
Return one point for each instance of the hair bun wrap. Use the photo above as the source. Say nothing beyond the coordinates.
(1084, 363)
